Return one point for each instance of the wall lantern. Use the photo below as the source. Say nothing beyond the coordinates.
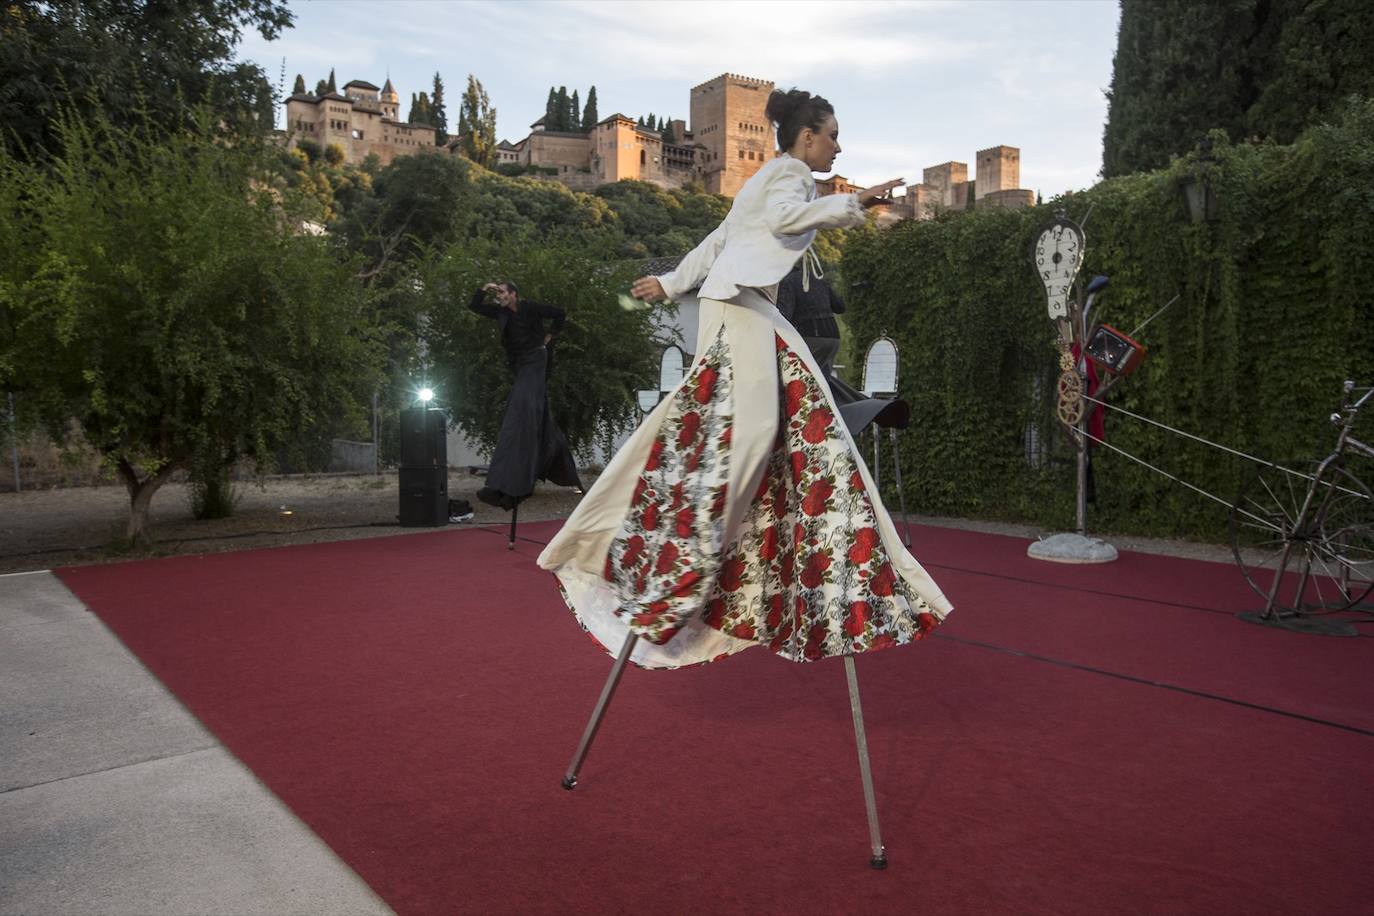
(1198, 192)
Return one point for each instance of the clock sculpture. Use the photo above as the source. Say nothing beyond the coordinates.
(1058, 254)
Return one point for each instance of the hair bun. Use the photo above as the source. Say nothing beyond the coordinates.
(781, 103)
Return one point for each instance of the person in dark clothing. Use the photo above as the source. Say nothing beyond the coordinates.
(812, 311)
(811, 308)
(530, 445)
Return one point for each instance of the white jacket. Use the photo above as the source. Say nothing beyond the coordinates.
(770, 225)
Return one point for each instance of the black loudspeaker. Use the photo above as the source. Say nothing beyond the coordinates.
(424, 496)
(424, 438)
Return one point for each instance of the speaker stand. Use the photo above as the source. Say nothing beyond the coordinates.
(514, 514)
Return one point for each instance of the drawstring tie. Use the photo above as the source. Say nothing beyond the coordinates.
(811, 267)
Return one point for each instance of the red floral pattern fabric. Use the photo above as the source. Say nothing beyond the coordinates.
(806, 574)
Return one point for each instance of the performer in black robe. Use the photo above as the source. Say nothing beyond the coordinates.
(530, 446)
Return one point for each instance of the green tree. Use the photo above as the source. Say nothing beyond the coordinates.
(170, 308)
(122, 58)
(574, 113)
(477, 123)
(1254, 68)
(331, 85)
(589, 116)
(669, 134)
(438, 113)
(321, 88)
(561, 110)
(299, 87)
(551, 110)
(420, 110)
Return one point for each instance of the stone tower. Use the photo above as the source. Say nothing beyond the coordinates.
(999, 169)
(391, 102)
(728, 120)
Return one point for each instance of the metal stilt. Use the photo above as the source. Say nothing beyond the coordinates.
(901, 497)
(877, 471)
(875, 837)
(514, 514)
(570, 778)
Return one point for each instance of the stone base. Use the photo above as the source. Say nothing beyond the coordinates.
(1071, 548)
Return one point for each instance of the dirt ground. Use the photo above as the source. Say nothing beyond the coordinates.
(47, 528)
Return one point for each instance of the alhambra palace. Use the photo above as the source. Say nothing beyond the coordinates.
(726, 142)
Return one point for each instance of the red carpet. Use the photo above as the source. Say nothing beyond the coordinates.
(1103, 739)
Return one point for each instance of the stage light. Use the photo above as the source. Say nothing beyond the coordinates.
(426, 395)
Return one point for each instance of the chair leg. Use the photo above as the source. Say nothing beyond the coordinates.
(875, 837)
(570, 778)
(901, 496)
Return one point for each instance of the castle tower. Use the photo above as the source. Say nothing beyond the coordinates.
(728, 121)
(391, 102)
(942, 179)
(999, 169)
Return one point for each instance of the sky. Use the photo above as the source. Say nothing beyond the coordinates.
(914, 84)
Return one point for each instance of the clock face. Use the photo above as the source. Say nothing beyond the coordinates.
(1058, 254)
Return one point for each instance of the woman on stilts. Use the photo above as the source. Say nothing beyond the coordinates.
(740, 512)
(530, 445)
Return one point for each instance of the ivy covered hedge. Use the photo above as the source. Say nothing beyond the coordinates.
(1277, 297)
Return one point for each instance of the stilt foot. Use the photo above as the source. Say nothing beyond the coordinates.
(878, 862)
(570, 782)
(510, 545)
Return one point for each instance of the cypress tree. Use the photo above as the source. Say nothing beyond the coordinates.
(551, 109)
(589, 116)
(332, 87)
(299, 88)
(561, 110)
(322, 87)
(438, 116)
(574, 113)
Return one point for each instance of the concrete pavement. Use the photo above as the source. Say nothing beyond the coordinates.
(115, 800)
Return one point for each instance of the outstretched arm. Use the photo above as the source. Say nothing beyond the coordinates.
(788, 212)
(480, 305)
(694, 267)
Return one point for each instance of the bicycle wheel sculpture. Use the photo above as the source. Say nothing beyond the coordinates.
(1321, 544)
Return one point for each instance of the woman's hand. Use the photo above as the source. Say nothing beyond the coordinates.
(873, 195)
(648, 289)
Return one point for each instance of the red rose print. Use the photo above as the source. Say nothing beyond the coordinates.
(856, 481)
(691, 422)
(798, 533)
(718, 504)
(685, 582)
(813, 649)
(883, 641)
(685, 518)
(649, 521)
(640, 487)
(882, 583)
(730, 572)
(780, 501)
(655, 455)
(725, 437)
(865, 539)
(926, 622)
(715, 613)
(663, 636)
(814, 573)
(793, 394)
(607, 572)
(768, 548)
(706, 385)
(666, 558)
(778, 343)
(679, 491)
(817, 496)
(798, 465)
(817, 425)
(859, 615)
(785, 570)
(743, 631)
(775, 606)
(633, 548)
